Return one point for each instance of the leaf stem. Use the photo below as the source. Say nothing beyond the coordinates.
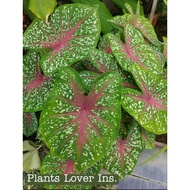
(153, 10)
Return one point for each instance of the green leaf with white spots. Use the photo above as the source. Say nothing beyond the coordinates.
(42, 8)
(53, 165)
(104, 43)
(134, 50)
(160, 55)
(72, 30)
(148, 107)
(82, 127)
(88, 78)
(103, 13)
(36, 86)
(30, 123)
(123, 155)
(106, 62)
(141, 23)
(148, 139)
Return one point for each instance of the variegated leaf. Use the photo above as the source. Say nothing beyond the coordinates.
(134, 50)
(148, 107)
(148, 139)
(88, 78)
(53, 165)
(106, 62)
(80, 127)
(30, 123)
(37, 86)
(141, 23)
(104, 43)
(72, 30)
(123, 155)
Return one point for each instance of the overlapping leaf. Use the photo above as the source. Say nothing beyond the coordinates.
(134, 50)
(53, 165)
(37, 86)
(141, 23)
(148, 139)
(106, 62)
(104, 43)
(43, 8)
(148, 107)
(72, 30)
(88, 78)
(103, 12)
(123, 156)
(79, 127)
(30, 123)
(31, 158)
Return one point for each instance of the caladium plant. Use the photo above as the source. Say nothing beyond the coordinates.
(55, 165)
(79, 126)
(101, 99)
(148, 107)
(30, 123)
(124, 154)
(36, 86)
(72, 29)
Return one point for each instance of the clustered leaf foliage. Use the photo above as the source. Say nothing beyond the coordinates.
(86, 85)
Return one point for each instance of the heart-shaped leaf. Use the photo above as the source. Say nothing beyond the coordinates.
(80, 127)
(134, 50)
(30, 123)
(123, 155)
(37, 86)
(53, 165)
(42, 8)
(148, 107)
(72, 30)
(31, 159)
(141, 23)
(106, 62)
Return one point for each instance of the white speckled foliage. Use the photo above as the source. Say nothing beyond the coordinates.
(88, 78)
(134, 50)
(53, 165)
(36, 86)
(141, 23)
(123, 155)
(148, 107)
(148, 139)
(106, 62)
(72, 30)
(30, 123)
(79, 127)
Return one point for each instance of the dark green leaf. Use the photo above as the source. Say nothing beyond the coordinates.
(30, 124)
